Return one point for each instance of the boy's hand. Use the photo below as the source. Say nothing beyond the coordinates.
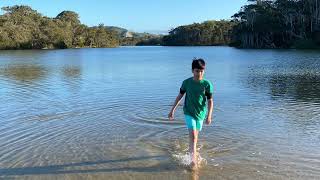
(171, 116)
(208, 120)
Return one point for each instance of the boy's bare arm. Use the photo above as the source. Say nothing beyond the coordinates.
(176, 103)
(210, 109)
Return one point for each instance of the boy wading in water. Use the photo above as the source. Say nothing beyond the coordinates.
(198, 91)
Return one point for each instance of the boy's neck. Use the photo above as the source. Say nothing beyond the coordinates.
(196, 79)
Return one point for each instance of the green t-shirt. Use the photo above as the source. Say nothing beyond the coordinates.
(195, 100)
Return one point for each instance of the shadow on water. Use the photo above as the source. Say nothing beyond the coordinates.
(59, 169)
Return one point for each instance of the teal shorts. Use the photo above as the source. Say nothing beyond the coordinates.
(193, 123)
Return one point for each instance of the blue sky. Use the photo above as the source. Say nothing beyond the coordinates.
(137, 15)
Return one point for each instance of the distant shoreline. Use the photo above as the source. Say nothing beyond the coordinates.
(48, 49)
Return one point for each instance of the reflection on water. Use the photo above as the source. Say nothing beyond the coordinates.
(296, 95)
(102, 114)
(22, 73)
(72, 72)
(72, 77)
(300, 87)
(305, 87)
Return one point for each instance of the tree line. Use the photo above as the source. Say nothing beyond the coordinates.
(200, 34)
(277, 24)
(21, 27)
(259, 24)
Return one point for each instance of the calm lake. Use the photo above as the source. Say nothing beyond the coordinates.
(102, 114)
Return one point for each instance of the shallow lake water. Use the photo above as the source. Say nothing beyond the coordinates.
(102, 114)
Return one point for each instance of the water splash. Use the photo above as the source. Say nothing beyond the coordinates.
(185, 159)
(182, 157)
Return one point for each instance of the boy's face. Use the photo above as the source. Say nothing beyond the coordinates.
(198, 73)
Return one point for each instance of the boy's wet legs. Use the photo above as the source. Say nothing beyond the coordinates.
(193, 140)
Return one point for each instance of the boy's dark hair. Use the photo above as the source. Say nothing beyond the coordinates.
(198, 63)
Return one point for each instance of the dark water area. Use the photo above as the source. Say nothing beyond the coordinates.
(102, 114)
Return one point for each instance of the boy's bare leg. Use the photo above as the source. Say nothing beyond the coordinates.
(193, 140)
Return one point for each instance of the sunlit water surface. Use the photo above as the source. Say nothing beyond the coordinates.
(102, 114)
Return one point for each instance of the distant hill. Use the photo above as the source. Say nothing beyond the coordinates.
(120, 31)
(123, 33)
(128, 38)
